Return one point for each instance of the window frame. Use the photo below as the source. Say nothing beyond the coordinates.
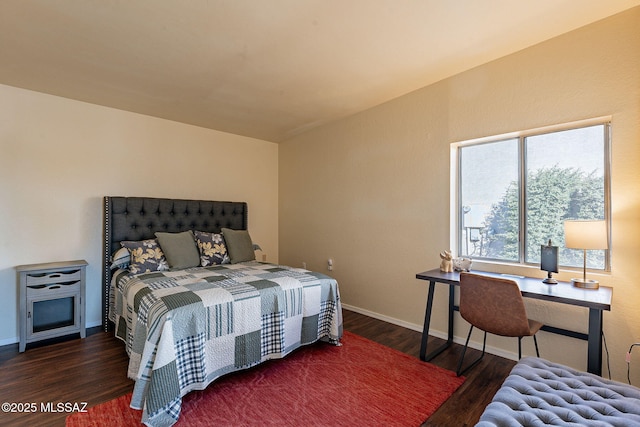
(456, 212)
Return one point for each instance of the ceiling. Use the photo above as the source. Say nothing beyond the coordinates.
(265, 69)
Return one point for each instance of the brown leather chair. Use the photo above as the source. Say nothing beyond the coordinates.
(494, 305)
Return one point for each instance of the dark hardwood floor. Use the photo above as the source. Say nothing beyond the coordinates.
(93, 370)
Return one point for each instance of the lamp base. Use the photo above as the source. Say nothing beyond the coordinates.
(585, 283)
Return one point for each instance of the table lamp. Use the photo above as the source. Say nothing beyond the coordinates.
(585, 234)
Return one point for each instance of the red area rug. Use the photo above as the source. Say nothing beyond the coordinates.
(359, 383)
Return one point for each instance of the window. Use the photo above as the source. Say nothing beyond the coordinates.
(514, 192)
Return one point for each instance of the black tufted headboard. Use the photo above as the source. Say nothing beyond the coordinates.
(138, 218)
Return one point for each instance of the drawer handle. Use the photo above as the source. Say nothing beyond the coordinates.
(73, 282)
(53, 275)
(52, 286)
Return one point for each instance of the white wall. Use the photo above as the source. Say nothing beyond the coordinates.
(372, 191)
(59, 157)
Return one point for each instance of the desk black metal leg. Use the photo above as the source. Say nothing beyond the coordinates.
(427, 321)
(594, 346)
(452, 308)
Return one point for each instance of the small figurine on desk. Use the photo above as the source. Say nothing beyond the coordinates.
(462, 264)
(446, 265)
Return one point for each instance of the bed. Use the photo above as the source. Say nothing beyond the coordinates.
(538, 392)
(186, 321)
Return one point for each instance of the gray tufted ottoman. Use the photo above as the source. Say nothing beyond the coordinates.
(539, 393)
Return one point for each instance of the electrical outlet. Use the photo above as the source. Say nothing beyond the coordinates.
(330, 264)
(304, 265)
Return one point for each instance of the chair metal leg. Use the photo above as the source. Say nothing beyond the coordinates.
(535, 341)
(459, 370)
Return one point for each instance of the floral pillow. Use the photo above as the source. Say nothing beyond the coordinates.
(212, 248)
(146, 256)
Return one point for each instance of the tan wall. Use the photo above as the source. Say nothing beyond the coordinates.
(59, 157)
(372, 191)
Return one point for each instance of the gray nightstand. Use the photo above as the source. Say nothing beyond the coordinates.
(52, 300)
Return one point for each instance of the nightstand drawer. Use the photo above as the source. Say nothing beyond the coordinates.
(55, 277)
(52, 289)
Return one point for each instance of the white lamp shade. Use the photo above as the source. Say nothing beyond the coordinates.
(585, 234)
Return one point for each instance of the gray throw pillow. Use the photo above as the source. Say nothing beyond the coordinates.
(180, 249)
(239, 245)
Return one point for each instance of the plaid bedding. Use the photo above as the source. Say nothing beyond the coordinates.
(185, 328)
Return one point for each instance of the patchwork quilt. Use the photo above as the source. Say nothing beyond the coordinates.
(185, 328)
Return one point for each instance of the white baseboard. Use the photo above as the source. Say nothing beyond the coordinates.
(14, 340)
(93, 324)
(8, 341)
(438, 334)
(387, 319)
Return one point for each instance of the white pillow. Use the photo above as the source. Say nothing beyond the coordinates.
(121, 259)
